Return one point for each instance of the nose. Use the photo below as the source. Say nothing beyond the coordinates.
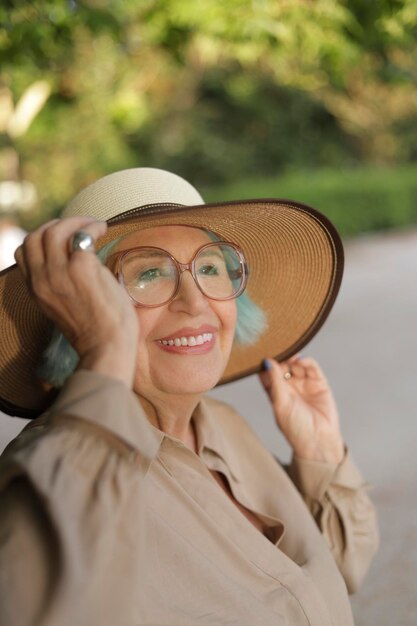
(189, 297)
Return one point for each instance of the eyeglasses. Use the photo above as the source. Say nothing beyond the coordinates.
(152, 276)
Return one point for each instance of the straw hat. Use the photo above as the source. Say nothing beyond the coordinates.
(294, 254)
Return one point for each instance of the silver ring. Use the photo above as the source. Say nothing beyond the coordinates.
(288, 374)
(82, 242)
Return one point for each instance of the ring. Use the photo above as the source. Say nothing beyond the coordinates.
(288, 374)
(82, 241)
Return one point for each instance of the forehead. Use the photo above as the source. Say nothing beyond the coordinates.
(171, 238)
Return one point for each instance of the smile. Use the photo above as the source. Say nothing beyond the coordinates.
(191, 340)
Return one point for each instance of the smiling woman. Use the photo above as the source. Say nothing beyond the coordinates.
(175, 307)
(128, 462)
(59, 359)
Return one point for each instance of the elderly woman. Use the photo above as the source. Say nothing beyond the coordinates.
(133, 498)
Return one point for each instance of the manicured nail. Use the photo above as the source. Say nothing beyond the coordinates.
(266, 365)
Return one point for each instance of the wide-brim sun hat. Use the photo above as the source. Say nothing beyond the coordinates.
(294, 254)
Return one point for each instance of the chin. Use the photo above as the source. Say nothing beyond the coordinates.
(197, 381)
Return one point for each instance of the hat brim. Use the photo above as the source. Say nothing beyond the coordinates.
(295, 257)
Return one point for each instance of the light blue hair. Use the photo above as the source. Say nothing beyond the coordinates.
(251, 319)
(59, 359)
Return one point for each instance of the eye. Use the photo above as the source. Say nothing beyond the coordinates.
(208, 269)
(149, 275)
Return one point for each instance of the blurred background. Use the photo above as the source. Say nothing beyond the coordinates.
(313, 101)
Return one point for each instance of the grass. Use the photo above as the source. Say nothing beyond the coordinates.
(355, 200)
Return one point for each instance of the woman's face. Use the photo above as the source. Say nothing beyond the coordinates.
(171, 369)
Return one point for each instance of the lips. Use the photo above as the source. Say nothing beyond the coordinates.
(188, 331)
(189, 340)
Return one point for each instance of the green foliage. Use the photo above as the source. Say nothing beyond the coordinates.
(356, 201)
(245, 124)
(215, 91)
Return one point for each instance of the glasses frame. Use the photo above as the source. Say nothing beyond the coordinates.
(117, 259)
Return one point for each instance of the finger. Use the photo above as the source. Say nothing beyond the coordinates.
(29, 254)
(56, 240)
(313, 369)
(20, 260)
(59, 257)
(274, 382)
(77, 267)
(305, 367)
(32, 249)
(95, 229)
(293, 368)
(45, 250)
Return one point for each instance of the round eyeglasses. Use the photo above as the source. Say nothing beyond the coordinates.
(152, 276)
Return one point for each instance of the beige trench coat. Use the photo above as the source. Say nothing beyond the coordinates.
(105, 520)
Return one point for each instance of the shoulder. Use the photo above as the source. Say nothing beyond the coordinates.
(49, 451)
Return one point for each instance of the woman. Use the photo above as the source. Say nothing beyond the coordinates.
(133, 499)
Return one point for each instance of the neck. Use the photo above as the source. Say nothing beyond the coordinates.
(173, 416)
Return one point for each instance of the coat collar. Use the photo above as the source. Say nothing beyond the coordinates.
(212, 440)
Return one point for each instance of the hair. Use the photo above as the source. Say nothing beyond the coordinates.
(251, 319)
(59, 358)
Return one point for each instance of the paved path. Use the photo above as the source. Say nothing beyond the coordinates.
(368, 349)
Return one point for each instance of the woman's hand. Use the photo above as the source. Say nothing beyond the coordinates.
(81, 296)
(304, 408)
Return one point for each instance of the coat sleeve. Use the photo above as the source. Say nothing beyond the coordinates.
(69, 509)
(337, 498)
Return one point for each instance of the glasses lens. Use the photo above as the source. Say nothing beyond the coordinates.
(219, 270)
(149, 276)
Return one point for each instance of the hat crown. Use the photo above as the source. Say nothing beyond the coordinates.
(130, 189)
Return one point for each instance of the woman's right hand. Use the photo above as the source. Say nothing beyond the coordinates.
(81, 297)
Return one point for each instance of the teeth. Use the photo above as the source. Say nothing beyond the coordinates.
(188, 341)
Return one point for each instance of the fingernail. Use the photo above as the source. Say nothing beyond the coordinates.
(266, 365)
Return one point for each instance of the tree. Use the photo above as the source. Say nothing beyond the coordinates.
(209, 91)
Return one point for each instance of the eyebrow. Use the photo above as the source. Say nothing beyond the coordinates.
(211, 252)
(205, 253)
(149, 255)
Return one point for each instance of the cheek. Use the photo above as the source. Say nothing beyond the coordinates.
(151, 321)
(227, 314)
(147, 366)
(148, 321)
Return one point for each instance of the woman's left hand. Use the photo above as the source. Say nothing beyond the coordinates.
(304, 408)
